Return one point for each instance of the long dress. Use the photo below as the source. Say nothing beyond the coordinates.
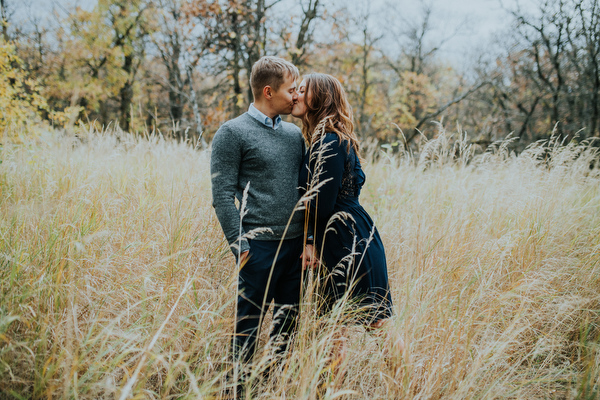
(345, 236)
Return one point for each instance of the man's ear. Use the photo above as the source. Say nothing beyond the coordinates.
(268, 92)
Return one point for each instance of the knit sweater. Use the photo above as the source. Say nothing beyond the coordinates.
(246, 151)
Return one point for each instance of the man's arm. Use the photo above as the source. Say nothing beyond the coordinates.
(225, 163)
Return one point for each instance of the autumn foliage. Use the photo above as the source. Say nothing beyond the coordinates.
(181, 67)
(20, 100)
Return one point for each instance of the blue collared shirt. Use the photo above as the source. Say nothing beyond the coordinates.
(262, 118)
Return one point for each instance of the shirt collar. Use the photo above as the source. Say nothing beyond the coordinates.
(262, 118)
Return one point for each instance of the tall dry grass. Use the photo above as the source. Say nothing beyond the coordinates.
(116, 281)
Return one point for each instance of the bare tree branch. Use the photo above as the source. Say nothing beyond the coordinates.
(443, 108)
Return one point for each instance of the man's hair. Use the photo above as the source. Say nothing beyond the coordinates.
(270, 71)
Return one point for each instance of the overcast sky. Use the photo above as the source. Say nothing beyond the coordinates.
(471, 24)
(468, 25)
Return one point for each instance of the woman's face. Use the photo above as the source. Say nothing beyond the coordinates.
(299, 109)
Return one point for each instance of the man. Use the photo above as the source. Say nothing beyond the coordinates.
(259, 150)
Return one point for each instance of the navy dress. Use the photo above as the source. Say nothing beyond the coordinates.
(345, 237)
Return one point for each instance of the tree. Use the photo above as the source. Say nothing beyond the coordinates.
(425, 88)
(548, 81)
(4, 20)
(99, 56)
(584, 42)
(20, 98)
(298, 52)
(169, 40)
(130, 29)
(242, 31)
(366, 64)
(239, 32)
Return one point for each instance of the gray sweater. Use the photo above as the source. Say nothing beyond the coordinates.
(244, 150)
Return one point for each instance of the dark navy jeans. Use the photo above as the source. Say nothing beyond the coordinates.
(283, 288)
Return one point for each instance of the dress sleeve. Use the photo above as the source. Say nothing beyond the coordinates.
(328, 167)
(225, 162)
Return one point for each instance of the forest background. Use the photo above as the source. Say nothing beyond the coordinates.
(181, 66)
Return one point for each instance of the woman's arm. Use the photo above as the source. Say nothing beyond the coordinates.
(330, 167)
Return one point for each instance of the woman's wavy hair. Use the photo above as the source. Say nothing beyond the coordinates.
(327, 104)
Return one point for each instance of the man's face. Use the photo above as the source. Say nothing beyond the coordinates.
(282, 100)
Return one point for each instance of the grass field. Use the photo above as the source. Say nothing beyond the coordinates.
(116, 281)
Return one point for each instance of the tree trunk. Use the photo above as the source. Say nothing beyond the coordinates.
(362, 118)
(176, 99)
(196, 110)
(255, 51)
(594, 131)
(4, 20)
(235, 63)
(304, 35)
(126, 95)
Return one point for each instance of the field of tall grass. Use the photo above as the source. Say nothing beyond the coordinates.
(116, 281)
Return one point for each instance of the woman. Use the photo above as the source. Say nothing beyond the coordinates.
(345, 238)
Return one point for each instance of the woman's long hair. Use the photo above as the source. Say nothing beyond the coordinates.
(327, 103)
